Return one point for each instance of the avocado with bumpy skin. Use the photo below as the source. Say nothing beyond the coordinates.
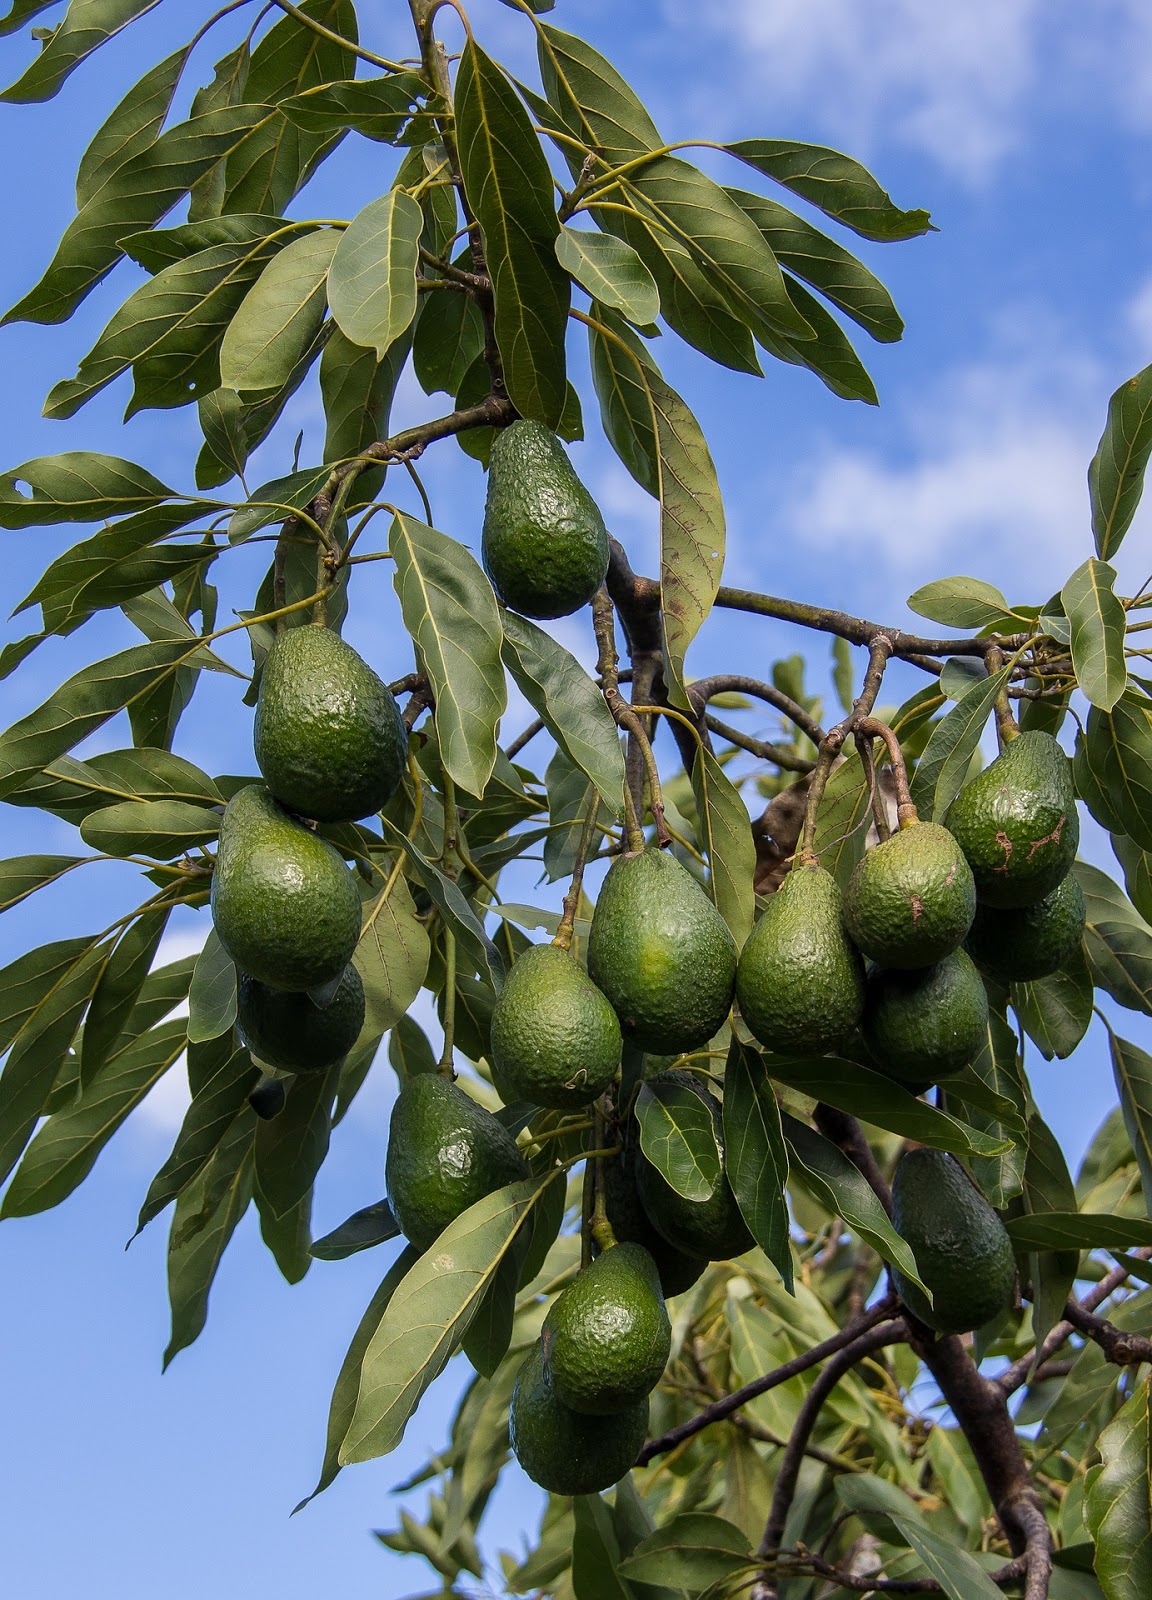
(911, 899)
(927, 1024)
(630, 1223)
(291, 1031)
(562, 1450)
(544, 543)
(445, 1152)
(1030, 942)
(284, 905)
(555, 1039)
(328, 736)
(662, 954)
(607, 1337)
(712, 1228)
(1017, 823)
(963, 1253)
(800, 981)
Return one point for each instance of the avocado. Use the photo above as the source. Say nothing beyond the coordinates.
(962, 1249)
(1033, 941)
(555, 1039)
(544, 544)
(924, 1025)
(712, 1228)
(1017, 822)
(911, 899)
(284, 905)
(329, 739)
(607, 1338)
(630, 1224)
(800, 982)
(444, 1153)
(562, 1450)
(662, 954)
(291, 1031)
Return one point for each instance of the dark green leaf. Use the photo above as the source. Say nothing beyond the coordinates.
(1116, 475)
(592, 100)
(943, 767)
(725, 832)
(998, 1072)
(622, 390)
(449, 338)
(212, 997)
(830, 354)
(1097, 621)
(116, 565)
(76, 486)
(74, 789)
(694, 1550)
(1117, 750)
(21, 876)
(120, 983)
(842, 819)
(596, 1553)
(86, 26)
(162, 829)
(678, 1137)
(837, 185)
(372, 284)
(290, 1149)
(486, 1339)
(1055, 1011)
(371, 1226)
(611, 272)
(22, 11)
(454, 908)
(287, 1234)
(391, 956)
(1118, 1502)
(278, 319)
(409, 1050)
(1132, 1069)
(358, 391)
(955, 1570)
(131, 127)
(755, 1155)
(1078, 1230)
(385, 109)
(273, 501)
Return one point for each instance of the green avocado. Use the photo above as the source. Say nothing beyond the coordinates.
(1033, 941)
(911, 899)
(284, 905)
(962, 1249)
(445, 1152)
(607, 1338)
(662, 954)
(555, 1038)
(630, 1224)
(562, 1450)
(800, 982)
(329, 739)
(712, 1228)
(924, 1025)
(291, 1031)
(1017, 822)
(544, 545)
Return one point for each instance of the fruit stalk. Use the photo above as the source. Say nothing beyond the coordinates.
(563, 936)
(608, 665)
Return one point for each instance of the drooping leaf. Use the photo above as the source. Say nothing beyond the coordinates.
(1118, 1502)
(391, 956)
(1116, 747)
(486, 1339)
(622, 390)
(1116, 474)
(1056, 1011)
(943, 767)
(370, 1226)
(448, 340)
(997, 1069)
(611, 272)
(277, 320)
(1097, 620)
(596, 1553)
(116, 993)
(678, 1137)
(454, 908)
(830, 354)
(372, 284)
(1132, 1070)
(290, 1149)
(755, 1155)
(212, 997)
(287, 1235)
(839, 186)
(842, 819)
(725, 831)
(86, 26)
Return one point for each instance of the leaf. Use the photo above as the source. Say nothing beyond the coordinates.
(120, 983)
(454, 908)
(1078, 1230)
(942, 769)
(1132, 1070)
(1116, 474)
(1117, 748)
(162, 829)
(837, 185)
(830, 354)
(509, 188)
(391, 957)
(611, 272)
(288, 1236)
(485, 1341)
(131, 126)
(1117, 1502)
(370, 1226)
(678, 1137)
(954, 1568)
(450, 610)
(967, 603)
(290, 1149)
(409, 1051)
(278, 318)
(592, 99)
(694, 1550)
(448, 340)
(1120, 960)
(622, 390)
(86, 26)
(372, 284)
(385, 109)
(1056, 1011)
(755, 1156)
(1097, 621)
(76, 486)
(724, 831)
(206, 1216)
(212, 997)
(74, 789)
(273, 501)
(22, 11)
(998, 1070)
(569, 702)
(596, 1553)
(427, 1316)
(21, 876)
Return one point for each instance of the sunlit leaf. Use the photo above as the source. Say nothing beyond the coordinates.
(1116, 475)
(372, 284)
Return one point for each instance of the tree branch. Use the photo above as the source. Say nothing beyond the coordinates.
(705, 689)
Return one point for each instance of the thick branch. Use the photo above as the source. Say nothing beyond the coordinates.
(805, 1561)
(705, 689)
(778, 754)
(1122, 1349)
(1013, 1377)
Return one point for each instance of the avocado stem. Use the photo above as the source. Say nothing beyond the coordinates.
(1007, 728)
(444, 1066)
(563, 937)
(600, 1228)
(873, 728)
(608, 668)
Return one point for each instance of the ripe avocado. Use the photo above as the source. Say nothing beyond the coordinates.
(444, 1153)
(284, 905)
(1017, 822)
(555, 1038)
(1033, 941)
(800, 982)
(630, 1224)
(328, 737)
(563, 1451)
(544, 545)
(662, 954)
(924, 1025)
(911, 899)
(712, 1228)
(607, 1338)
(291, 1031)
(962, 1249)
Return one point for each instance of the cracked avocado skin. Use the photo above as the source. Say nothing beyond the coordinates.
(1017, 823)
(284, 905)
(962, 1249)
(662, 954)
(544, 545)
(562, 1450)
(625, 1212)
(444, 1153)
(1033, 941)
(924, 1025)
(291, 1031)
(910, 900)
(800, 982)
(712, 1228)
(607, 1338)
(328, 736)
(555, 1039)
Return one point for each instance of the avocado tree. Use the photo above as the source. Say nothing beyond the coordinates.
(905, 1351)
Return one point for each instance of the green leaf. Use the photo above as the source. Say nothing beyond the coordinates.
(273, 501)
(372, 285)
(358, 392)
(571, 706)
(1117, 749)
(1137, 864)
(486, 1339)
(288, 1236)
(76, 486)
(596, 1553)
(509, 188)
(830, 354)
(942, 769)
(132, 126)
(385, 109)
(212, 997)
(625, 405)
(1097, 621)
(1056, 1011)
(954, 1568)
(1048, 1188)
(279, 317)
(842, 819)
(837, 185)
(391, 956)
(450, 611)
(370, 1226)
(449, 338)
(22, 11)
(695, 1550)
(474, 943)
(678, 1137)
(611, 272)
(290, 1149)
(120, 983)
(427, 1316)
(1132, 1070)
(21, 876)
(409, 1051)
(1078, 1230)
(86, 26)
(725, 832)
(592, 100)
(1116, 475)
(74, 789)
(1118, 1502)
(1119, 955)
(162, 829)
(967, 603)
(755, 1155)
(997, 1071)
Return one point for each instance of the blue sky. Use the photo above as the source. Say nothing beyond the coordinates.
(1025, 128)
